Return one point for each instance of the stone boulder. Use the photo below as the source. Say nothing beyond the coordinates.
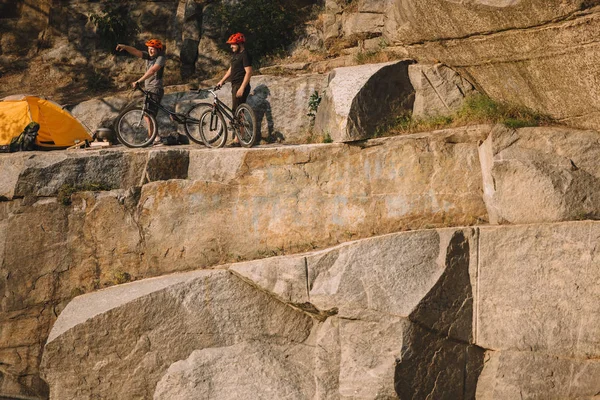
(348, 113)
(135, 337)
(541, 174)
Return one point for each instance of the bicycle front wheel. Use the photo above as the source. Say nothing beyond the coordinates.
(135, 127)
(192, 122)
(212, 128)
(247, 131)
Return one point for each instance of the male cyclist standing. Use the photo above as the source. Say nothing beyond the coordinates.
(239, 72)
(155, 67)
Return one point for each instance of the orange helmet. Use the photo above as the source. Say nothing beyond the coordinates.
(157, 44)
(236, 38)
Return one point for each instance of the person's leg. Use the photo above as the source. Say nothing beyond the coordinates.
(152, 108)
(235, 101)
(244, 97)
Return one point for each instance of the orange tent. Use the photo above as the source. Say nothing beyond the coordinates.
(58, 128)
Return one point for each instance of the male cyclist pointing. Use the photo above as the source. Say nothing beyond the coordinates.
(155, 66)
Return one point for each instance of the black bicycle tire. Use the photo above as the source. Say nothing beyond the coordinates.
(120, 136)
(223, 137)
(254, 129)
(187, 129)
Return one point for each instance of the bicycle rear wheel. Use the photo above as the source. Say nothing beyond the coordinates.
(135, 127)
(212, 128)
(192, 123)
(247, 131)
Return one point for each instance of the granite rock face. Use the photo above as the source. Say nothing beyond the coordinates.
(367, 319)
(542, 325)
(206, 310)
(439, 90)
(245, 370)
(541, 175)
(183, 208)
(64, 42)
(537, 53)
(277, 340)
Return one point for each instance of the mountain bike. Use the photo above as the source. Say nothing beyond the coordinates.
(213, 129)
(135, 127)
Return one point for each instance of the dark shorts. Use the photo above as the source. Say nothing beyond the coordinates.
(236, 101)
(156, 95)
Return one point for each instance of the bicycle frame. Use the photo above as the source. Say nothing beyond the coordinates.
(222, 107)
(175, 116)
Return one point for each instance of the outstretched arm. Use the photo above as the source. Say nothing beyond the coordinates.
(130, 50)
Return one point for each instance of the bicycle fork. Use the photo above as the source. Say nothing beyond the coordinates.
(143, 112)
(214, 120)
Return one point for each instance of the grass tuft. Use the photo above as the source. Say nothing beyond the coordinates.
(66, 190)
(477, 109)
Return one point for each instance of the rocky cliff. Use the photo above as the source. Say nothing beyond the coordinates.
(445, 312)
(454, 264)
(540, 53)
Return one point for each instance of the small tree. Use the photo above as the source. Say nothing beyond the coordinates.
(269, 25)
(114, 25)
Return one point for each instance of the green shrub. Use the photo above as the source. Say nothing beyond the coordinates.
(313, 104)
(269, 25)
(120, 277)
(114, 25)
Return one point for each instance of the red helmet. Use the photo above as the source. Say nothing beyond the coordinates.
(236, 38)
(157, 44)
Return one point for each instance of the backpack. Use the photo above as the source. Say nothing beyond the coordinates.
(26, 140)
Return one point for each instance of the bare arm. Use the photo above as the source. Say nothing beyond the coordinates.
(227, 75)
(131, 50)
(246, 81)
(151, 71)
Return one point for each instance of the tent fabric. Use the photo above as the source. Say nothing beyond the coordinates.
(58, 128)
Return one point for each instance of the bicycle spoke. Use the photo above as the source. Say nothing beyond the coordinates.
(212, 128)
(246, 129)
(135, 128)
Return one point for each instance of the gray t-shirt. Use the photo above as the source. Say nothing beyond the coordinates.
(156, 80)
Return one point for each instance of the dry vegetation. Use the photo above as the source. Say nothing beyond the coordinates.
(477, 109)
